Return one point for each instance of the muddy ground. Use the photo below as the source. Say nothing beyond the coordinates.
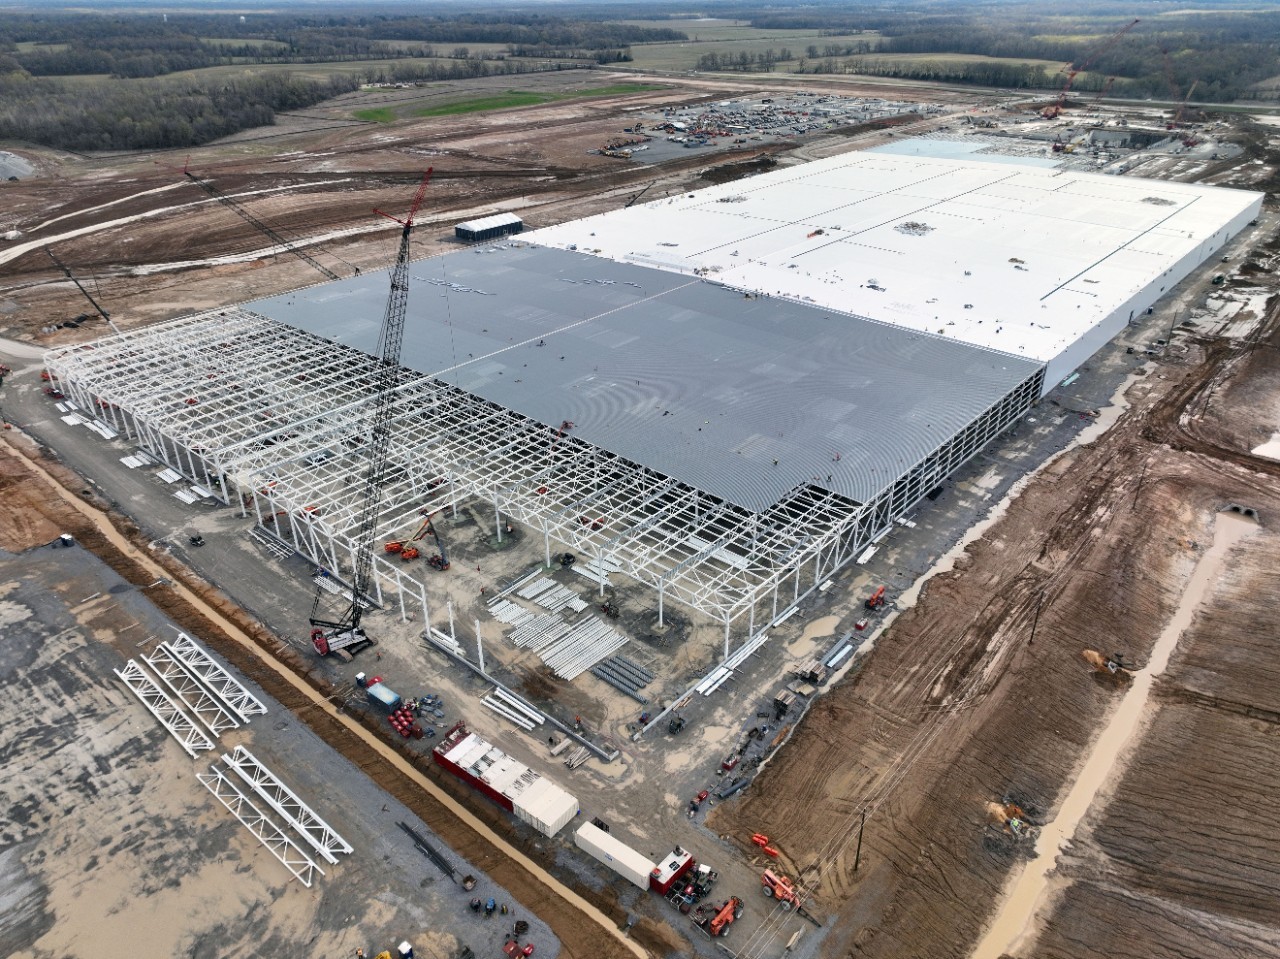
(958, 706)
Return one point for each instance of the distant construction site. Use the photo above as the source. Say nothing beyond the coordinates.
(645, 521)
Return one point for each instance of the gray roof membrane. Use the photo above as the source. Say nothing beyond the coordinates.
(673, 372)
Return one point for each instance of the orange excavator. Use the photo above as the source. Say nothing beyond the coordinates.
(876, 600)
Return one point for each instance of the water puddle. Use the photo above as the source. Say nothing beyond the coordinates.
(808, 641)
(1270, 449)
(1014, 922)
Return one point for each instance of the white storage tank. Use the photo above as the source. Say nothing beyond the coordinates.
(617, 855)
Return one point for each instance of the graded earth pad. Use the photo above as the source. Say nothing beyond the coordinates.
(959, 707)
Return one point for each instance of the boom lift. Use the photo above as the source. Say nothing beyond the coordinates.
(876, 600)
(344, 632)
(408, 551)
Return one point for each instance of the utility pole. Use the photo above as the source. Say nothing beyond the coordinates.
(1036, 621)
(857, 855)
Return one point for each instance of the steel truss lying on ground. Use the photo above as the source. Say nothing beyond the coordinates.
(159, 703)
(210, 672)
(182, 682)
(263, 829)
(272, 418)
(319, 835)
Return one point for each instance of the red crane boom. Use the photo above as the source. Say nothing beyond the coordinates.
(1055, 109)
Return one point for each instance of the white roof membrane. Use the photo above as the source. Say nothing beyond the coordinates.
(1024, 260)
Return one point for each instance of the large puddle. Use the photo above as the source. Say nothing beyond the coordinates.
(1014, 922)
(1270, 449)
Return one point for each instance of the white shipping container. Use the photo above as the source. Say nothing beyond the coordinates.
(618, 856)
(545, 806)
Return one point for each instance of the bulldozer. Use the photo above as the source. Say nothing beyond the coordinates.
(1114, 665)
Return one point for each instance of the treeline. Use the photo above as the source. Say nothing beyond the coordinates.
(138, 46)
(1225, 51)
(157, 115)
(744, 62)
(1014, 76)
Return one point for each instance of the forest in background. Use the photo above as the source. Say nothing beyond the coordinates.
(102, 81)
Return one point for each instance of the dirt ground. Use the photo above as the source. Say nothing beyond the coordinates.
(956, 707)
(959, 707)
(149, 244)
(582, 930)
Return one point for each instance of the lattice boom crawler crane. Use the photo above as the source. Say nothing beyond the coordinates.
(344, 632)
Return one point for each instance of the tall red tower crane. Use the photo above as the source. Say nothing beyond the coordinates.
(344, 632)
(1055, 109)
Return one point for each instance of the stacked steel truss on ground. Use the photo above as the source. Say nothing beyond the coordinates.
(272, 420)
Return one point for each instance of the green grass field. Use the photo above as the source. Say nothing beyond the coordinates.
(375, 115)
(27, 46)
(260, 44)
(443, 48)
(702, 31)
(523, 98)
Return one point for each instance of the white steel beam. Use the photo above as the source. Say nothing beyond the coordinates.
(265, 398)
(318, 834)
(189, 736)
(223, 685)
(263, 829)
(182, 683)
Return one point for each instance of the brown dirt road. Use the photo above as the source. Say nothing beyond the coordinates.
(957, 707)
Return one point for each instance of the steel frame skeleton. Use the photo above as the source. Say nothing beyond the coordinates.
(272, 419)
(264, 830)
(319, 835)
(180, 726)
(226, 687)
(183, 684)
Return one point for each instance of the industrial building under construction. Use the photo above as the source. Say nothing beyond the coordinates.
(724, 396)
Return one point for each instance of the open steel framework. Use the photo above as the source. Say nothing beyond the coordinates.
(318, 834)
(272, 419)
(264, 830)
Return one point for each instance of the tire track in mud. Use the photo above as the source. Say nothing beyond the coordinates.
(584, 930)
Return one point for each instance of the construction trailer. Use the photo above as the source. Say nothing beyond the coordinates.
(488, 228)
(661, 877)
(615, 854)
(531, 797)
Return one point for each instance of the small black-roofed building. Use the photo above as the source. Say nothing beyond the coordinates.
(488, 228)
